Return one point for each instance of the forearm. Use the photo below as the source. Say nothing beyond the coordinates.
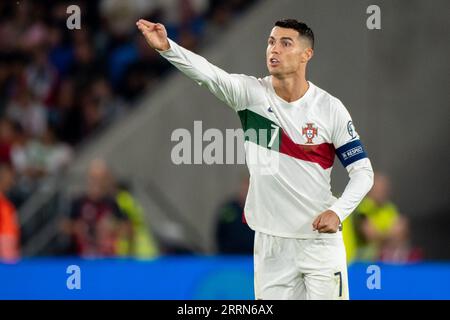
(225, 86)
(361, 181)
(191, 64)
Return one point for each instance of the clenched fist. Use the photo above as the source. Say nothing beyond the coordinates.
(155, 34)
(327, 222)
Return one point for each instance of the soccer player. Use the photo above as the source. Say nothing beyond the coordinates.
(298, 247)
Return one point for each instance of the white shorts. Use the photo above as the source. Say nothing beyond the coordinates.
(294, 269)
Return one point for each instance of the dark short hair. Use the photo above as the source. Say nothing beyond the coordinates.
(301, 27)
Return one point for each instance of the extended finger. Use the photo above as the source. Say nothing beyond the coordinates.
(141, 27)
(148, 24)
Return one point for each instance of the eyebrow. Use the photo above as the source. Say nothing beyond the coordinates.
(282, 38)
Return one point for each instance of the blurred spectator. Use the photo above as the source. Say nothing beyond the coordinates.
(397, 248)
(41, 75)
(43, 63)
(184, 20)
(24, 183)
(96, 222)
(7, 137)
(34, 159)
(65, 115)
(233, 236)
(121, 15)
(86, 64)
(29, 112)
(377, 230)
(92, 115)
(46, 156)
(142, 244)
(58, 87)
(9, 225)
(221, 13)
(110, 106)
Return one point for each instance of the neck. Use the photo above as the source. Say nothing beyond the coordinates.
(290, 89)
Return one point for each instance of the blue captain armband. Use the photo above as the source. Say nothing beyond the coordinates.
(351, 152)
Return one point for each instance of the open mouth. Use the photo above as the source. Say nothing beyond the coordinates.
(274, 61)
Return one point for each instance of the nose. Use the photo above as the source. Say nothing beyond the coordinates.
(275, 49)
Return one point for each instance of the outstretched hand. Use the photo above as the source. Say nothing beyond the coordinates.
(154, 33)
(327, 222)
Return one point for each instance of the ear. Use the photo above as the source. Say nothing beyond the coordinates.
(307, 54)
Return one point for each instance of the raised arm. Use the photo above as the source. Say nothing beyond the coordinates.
(233, 89)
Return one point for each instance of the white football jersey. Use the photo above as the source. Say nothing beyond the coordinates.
(290, 148)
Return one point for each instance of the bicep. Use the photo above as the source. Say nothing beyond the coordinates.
(345, 138)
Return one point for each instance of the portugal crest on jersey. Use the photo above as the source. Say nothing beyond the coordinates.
(310, 131)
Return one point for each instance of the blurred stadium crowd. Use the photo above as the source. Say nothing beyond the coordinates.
(58, 87)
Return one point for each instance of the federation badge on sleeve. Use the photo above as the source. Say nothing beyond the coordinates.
(351, 129)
